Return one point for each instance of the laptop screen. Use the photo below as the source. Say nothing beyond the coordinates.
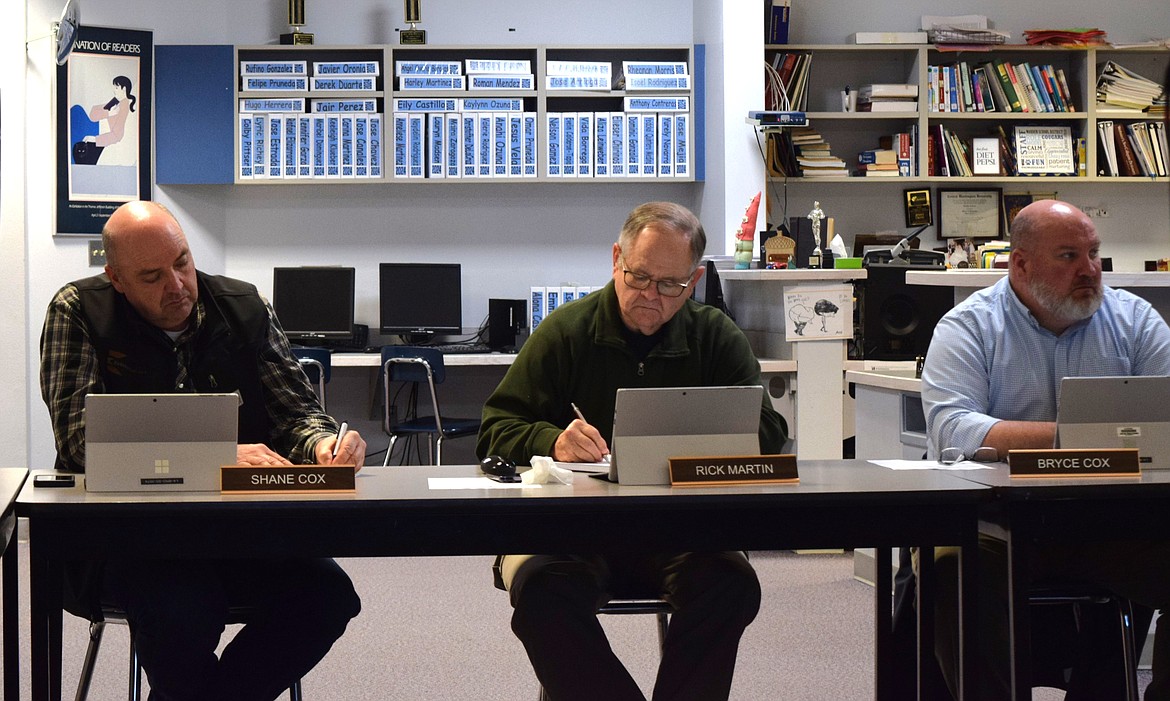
(1117, 412)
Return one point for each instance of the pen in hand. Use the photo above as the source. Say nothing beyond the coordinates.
(341, 431)
(604, 458)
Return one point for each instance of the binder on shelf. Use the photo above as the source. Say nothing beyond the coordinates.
(400, 164)
(577, 82)
(500, 145)
(515, 144)
(344, 68)
(553, 130)
(361, 146)
(640, 103)
(497, 65)
(354, 83)
(332, 146)
(275, 146)
(601, 144)
(682, 156)
(469, 138)
(416, 145)
(259, 146)
(649, 140)
(536, 299)
(288, 151)
(776, 21)
(341, 106)
(402, 68)
(483, 144)
(271, 104)
(633, 145)
(375, 146)
(585, 138)
(488, 81)
(319, 147)
(245, 127)
(571, 68)
(658, 82)
(347, 159)
(665, 145)
(568, 146)
(490, 104)
(530, 141)
(276, 68)
(436, 145)
(304, 146)
(443, 104)
(453, 145)
(261, 83)
(617, 144)
(431, 82)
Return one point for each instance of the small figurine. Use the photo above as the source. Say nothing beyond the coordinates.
(815, 216)
(746, 235)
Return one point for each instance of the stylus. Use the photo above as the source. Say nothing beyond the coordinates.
(341, 431)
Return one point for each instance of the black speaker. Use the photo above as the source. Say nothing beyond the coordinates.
(899, 319)
(506, 318)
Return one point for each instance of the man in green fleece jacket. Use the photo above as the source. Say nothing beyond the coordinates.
(641, 330)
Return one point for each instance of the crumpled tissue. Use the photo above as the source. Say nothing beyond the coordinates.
(837, 246)
(544, 471)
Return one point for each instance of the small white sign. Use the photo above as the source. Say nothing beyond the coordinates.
(985, 156)
(815, 313)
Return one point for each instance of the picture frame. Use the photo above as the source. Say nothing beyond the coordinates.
(1013, 202)
(970, 213)
(917, 205)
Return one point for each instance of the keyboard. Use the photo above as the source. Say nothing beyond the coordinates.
(462, 348)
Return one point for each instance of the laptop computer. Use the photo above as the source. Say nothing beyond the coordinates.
(651, 425)
(1117, 412)
(158, 442)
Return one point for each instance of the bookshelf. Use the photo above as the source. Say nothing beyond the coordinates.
(536, 107)
(836, 66)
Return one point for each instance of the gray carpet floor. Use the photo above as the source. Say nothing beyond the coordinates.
(435, 628)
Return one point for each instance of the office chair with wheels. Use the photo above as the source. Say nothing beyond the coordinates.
(110, 614)
(619, 607)
(317, 364)
(414, 367)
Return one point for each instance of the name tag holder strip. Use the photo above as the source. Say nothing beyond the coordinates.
(1074, 462)
(294, 479)
(733, 470)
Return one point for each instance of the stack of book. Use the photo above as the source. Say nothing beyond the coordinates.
(813, 155)
(949, 156)
(786, 81)
(888, 97)
(878, 162)
(998, 86)
(1120, 88)
(1134, 150)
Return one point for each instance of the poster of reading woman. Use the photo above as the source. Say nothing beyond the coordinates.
(104, 101)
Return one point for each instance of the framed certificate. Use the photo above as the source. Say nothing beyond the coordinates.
(970, 213)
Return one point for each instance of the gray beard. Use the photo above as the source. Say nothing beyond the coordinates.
(1065, 308)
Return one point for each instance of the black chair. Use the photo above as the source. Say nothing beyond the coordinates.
(110, 614)
(417, 367)
(622, 607)
(318, 366)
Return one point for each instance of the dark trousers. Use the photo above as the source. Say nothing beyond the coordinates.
(715, 597)
(178, 610)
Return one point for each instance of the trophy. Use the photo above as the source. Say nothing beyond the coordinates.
(296, 20)
(815, 216)
(412, 13)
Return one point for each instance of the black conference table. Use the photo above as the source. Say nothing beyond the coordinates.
(1028, 513)
(11, 481)
(394, 512)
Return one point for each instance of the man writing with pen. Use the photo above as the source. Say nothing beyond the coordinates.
(154, 324)
(641, 330)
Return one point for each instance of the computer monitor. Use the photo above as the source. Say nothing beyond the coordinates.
(314, 303)
(420, 298)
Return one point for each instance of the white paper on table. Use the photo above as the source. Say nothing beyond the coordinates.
(586, 467)
(474, 483)
(930, 465)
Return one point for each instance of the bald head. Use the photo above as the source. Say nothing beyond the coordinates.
(1055, 265)
(148, 261)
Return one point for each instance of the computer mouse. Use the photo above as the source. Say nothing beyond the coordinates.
(498, 466)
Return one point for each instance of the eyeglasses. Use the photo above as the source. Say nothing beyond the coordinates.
(984, 453)
(666, 288)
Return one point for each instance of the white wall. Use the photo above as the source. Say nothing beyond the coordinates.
(507, 236)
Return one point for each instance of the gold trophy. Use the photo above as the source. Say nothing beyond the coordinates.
(296, 20)
(412, 13)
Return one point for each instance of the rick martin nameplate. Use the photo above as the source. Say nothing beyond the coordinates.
(733, 469)
(316, 479)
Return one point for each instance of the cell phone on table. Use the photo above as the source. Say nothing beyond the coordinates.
(506, 479)
(54, 480)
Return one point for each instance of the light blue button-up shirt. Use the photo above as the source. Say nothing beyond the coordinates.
(990, 361)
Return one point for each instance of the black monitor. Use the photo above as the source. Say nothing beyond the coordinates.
(420, 298)
(314, 304)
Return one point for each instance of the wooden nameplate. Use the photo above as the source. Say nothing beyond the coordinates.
(733, 469)
(286, 479)
(1074, 462)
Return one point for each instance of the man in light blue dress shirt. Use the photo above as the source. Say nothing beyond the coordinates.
(992, 378)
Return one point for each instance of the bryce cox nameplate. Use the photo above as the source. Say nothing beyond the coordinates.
(1074, 462)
